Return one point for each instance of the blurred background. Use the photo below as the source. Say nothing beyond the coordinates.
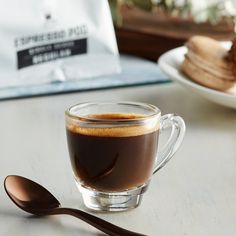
(149, 28)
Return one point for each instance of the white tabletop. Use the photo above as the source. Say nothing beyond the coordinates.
(195, 194)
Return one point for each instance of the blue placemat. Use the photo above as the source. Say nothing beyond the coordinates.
(135, 71)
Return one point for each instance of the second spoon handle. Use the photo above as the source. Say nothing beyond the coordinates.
(98, 223)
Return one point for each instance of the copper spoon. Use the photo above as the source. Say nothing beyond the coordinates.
(35, 199)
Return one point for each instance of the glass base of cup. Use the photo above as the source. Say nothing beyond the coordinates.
(114, 201)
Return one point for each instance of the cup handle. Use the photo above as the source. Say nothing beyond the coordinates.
(176, 137)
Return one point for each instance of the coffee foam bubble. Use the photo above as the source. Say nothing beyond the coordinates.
(113, 131)
(118, 131)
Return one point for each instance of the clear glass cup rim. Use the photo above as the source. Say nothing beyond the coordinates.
(155, 111)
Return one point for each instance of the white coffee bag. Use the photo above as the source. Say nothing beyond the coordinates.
(51, 40)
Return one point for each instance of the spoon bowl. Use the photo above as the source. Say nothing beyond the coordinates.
(35, 199)
(28, 195)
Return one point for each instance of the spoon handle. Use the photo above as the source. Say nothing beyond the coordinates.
(98, 223)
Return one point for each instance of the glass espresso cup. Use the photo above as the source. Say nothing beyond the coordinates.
(113, 150)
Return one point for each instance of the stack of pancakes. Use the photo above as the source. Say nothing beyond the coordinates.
(208, 63)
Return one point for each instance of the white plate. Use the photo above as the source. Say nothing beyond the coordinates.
(170, 63)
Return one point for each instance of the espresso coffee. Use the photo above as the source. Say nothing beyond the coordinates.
(112, 159)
